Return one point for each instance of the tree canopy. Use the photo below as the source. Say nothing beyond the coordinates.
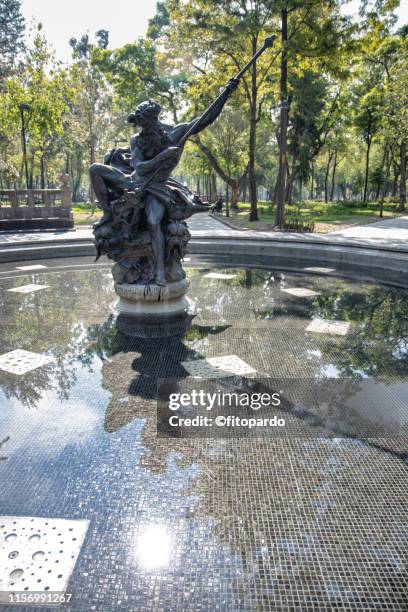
(322, 115)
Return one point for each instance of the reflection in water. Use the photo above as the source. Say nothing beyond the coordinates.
(1, 444)
(67, 323)
(153, 547)
(55, 323)
(246, 524)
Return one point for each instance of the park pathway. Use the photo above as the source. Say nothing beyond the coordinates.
(389, 234)
(388, 230)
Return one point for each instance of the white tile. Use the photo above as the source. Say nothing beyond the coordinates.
(321, 270)
(37, 267)
(219, 276)
(187, 259)
(192, 305)
(28, 288)
(20, 362)
(38, 554)
(323, 326)
(217, 367)
(300, 292)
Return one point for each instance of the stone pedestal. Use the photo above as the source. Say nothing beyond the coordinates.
(153, 302)
(152, 311)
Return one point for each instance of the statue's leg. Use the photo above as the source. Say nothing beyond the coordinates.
(103, 177)
(155, 210)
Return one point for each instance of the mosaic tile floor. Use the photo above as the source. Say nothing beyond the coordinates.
(292, 524)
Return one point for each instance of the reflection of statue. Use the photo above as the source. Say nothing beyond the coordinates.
(142, 228)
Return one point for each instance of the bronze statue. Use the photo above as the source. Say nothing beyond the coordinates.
(142, 228)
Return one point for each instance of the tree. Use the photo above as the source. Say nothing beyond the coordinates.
(309, 93)
(12, 26)
(157, 23)
(367, 119)
(91, 117)
(137, 72)
(395, 121)
(46, 91)
(224, 146)
(216, 38)
(313, 35)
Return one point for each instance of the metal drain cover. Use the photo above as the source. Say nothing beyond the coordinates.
(217, 367)
(28, 288)
(20, 362)
(323, 326)
(300, 292)
(36, 267)
(219, 276)
(320, 270)
(38, 554)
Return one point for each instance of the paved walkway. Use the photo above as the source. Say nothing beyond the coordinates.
(389, 229)
(391, 234)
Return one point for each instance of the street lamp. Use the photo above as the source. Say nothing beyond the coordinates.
(24, 107)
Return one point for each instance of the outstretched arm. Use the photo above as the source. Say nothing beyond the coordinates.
(166, 159)
(200, 123)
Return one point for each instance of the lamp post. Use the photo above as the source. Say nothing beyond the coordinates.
(24, 107)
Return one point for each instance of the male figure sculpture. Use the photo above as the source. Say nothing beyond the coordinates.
(144, 171)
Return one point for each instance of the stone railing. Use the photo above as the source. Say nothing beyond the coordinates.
(36, 208)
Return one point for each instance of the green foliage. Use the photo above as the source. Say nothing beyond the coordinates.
(395, 118)
(12, 28)
(138, 72)
(159, 21)
(310, 92)
(44, 87)
(347, 88)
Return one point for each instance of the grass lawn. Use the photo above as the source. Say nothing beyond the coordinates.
(326, 217)
(83, 215)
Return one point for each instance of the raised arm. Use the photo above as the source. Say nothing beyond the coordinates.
(200, 123)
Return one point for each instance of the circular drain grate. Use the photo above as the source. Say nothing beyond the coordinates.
(38, 554)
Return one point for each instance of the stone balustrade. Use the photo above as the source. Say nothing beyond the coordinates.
(36, 208)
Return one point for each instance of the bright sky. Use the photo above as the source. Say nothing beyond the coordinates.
(126, 20)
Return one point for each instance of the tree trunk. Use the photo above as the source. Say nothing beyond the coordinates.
(253, 196)
(403, 177)
(92, 160)
(387, 174)
(383, 161)
(42, 170)
(280, 208)
(291, 176)
(232, 182)
(395, 180)
(326, 178)
(213, 187)
(333, 177)
(234, 195)
(275, 192)
(289, 190)
(367, 166)
(312, 183)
